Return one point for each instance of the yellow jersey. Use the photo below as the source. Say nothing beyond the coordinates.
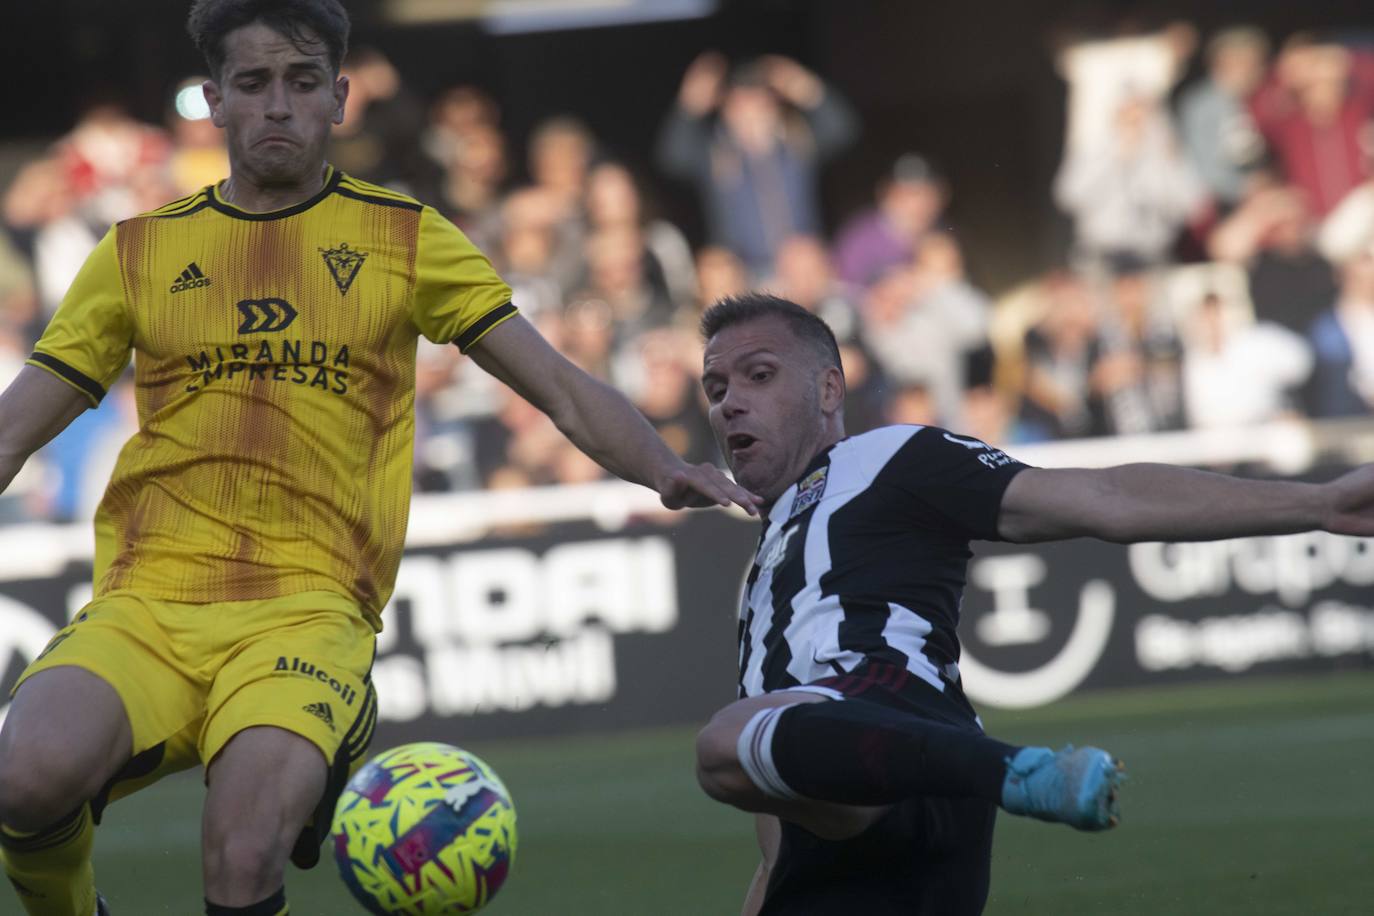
(274, 374)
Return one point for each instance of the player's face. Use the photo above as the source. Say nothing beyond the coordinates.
(276, 102)
(770, 403)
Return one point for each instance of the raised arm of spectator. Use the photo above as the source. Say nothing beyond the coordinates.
(1155, 502)
(1274, 101)
(1362, 73)
(1238, 238)
(833, 121)
(599, 420)
(684, 141)
(35, 407)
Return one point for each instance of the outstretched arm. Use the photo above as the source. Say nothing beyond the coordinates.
(34, 408)
(1155, 502)
(599, 420)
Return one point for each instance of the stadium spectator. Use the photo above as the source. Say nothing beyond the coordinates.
(921, 321)
(525, 255)
(469, 191)
(1135, 380)
(589, 336)
(1103, 74)
(1215, 123)
(614, 201)
(621, 272)
(910, 200)
(755, 164)
(382, 122)
(911, 404)
(867, 390)
(1271, 234)
(719, 273)
(1237, 372)
(560, 154)
(803, 274)
(463, 141)
(1058, 354)
(108, 168)
(1314, 110)
(1134, 193)
(453, 114)
(667, 391)
(1343, 338)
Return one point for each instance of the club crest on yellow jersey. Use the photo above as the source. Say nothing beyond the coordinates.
(344, 264)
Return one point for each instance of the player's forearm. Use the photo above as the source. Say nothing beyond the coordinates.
(602, 422)
(1155, 502)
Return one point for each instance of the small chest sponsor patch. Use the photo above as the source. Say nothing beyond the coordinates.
(809, 492)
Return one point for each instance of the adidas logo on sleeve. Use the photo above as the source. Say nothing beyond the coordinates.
(191, 278)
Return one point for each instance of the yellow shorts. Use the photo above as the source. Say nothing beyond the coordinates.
(192, 676)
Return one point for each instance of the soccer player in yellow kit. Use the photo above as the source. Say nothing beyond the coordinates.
(252, 528)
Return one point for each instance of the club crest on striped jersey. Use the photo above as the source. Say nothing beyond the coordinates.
(809, 491)
(343, 263)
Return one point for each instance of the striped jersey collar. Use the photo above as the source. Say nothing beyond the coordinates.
(331, 182)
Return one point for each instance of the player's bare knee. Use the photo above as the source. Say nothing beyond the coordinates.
(33, 796)
(242, 858)
(718, 768)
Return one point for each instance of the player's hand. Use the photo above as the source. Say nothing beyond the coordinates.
(1352, 503)
(701, 84)
(699, 485)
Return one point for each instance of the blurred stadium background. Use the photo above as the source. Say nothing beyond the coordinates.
(1086, 232)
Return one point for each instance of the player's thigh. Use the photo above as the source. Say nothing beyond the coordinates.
(65, 735)
(265, 781)
(109, 688)
(305, 671)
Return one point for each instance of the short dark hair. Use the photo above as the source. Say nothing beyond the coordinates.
(746, 307)
(211, 20)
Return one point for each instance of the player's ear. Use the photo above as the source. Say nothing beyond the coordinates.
(832, 389)
(215, 100)
(340, 98)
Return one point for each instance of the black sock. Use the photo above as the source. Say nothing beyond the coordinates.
(272, 906)
(858, 753)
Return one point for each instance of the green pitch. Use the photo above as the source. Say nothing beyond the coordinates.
(1251, 798)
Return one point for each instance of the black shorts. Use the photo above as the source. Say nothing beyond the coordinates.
(927, 856)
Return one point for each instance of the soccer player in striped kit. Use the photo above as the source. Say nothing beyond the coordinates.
(873, 782)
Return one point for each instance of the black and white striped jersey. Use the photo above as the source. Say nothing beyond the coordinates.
(864, 557)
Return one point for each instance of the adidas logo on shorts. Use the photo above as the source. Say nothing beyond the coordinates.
(322, 712)
(191, 278)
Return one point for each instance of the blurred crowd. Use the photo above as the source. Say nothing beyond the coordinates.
(1221, 270)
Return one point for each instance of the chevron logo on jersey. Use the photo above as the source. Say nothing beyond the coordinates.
(344, 264)
(261, 315)
(190, 278)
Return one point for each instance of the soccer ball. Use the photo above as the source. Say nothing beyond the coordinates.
(424, 829)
